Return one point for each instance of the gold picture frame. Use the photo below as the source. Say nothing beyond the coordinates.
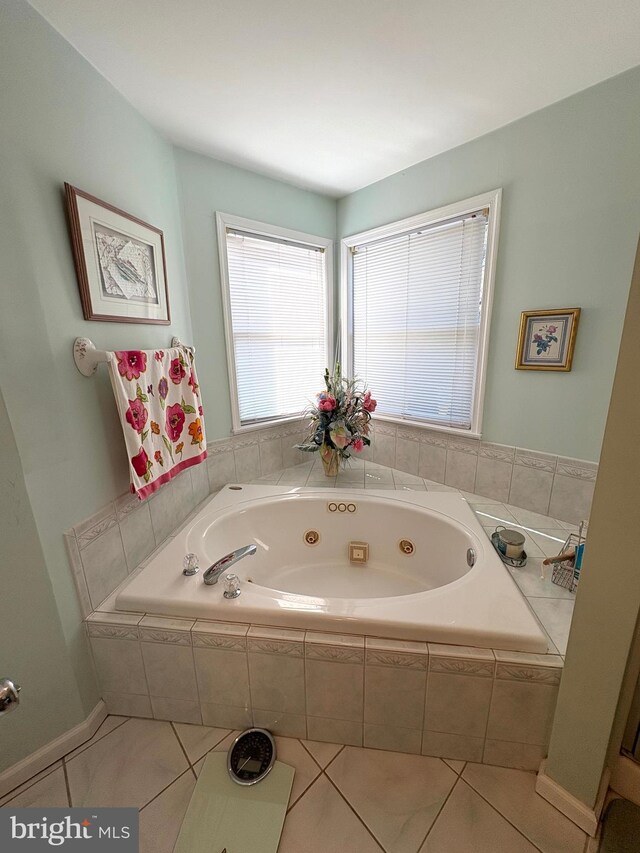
(547, 338)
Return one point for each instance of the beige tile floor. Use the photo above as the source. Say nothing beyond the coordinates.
(545, 536)
(344, 799)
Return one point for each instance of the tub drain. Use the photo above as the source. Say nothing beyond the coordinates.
(311, 537)
(406, 546)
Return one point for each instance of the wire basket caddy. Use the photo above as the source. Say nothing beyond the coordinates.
(566, 573)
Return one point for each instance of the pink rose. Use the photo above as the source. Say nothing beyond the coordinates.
(551, 329)
(159, 355)
(326, 403)
(140, 462)
(368, 403)
(131, 364)
(174, 421)
(357, 444)
(136, 415)
(177, 371)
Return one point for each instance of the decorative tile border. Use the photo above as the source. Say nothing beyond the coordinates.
(219, 641)
(121, 632)
(534, 459)
(94, 526)
(156, 635)
(462, 667)
(396, 659)
(340, 654)
(539, 674)
(500, 452)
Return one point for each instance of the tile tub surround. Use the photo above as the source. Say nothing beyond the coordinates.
(109, 545)
(548, 484)
(452, 702)
(105, 548)
(379, 800)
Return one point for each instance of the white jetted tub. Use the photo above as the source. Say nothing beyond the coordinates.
(431, 573)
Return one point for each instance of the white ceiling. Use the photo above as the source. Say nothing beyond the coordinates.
(336, 94)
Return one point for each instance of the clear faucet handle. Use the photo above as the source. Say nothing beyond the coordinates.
(231, 586)
(190, 565)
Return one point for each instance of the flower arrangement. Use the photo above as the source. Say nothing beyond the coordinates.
(339, 420)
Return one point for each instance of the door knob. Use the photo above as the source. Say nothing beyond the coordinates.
(9, 697)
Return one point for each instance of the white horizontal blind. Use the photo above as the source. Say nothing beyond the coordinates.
(416, 319)
(278, 299)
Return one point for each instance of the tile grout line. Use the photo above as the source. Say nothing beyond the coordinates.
(51, 767)
(498, 812)
(66, 781)
(86, 745)
(302, 795)
(335, 787)
(440, 810)
(495, 808)
(184, 751)
(14, 792)
(313, 758)
(166, 788)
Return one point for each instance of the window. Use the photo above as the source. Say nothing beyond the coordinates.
(276, 285)
(417, 297)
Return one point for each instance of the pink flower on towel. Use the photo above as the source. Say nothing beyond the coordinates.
(175, 421)
(193, 384)
(131, 363)
(177, 371)
(140, 462)
(137, 415)
(158, 355)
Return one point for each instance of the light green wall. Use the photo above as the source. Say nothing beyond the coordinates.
(207, 186)
(38, 661)
(61, 121)
(570, 218)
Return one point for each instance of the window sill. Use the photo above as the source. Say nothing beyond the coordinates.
(276, 422)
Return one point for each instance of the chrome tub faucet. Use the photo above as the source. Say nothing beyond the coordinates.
(213, 572)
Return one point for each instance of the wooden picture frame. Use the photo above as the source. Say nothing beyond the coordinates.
(119, 260)
(546, 339)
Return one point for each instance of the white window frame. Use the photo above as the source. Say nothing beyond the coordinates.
(263, 229)
(490, 200)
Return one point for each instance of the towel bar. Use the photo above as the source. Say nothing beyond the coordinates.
(87, 357)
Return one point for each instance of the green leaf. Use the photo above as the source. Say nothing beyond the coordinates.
(140, 395)
(188, 410)
(144, 436)
(167, 444)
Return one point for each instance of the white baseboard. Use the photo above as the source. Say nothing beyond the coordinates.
(570, 806)
(52, 751)
(625, 779)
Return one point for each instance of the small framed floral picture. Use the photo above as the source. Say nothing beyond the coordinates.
(119, 260)
(547, 339)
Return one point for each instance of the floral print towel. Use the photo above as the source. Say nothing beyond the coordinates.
(158, 400)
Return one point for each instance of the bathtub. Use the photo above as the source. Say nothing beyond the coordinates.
(431, 574)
